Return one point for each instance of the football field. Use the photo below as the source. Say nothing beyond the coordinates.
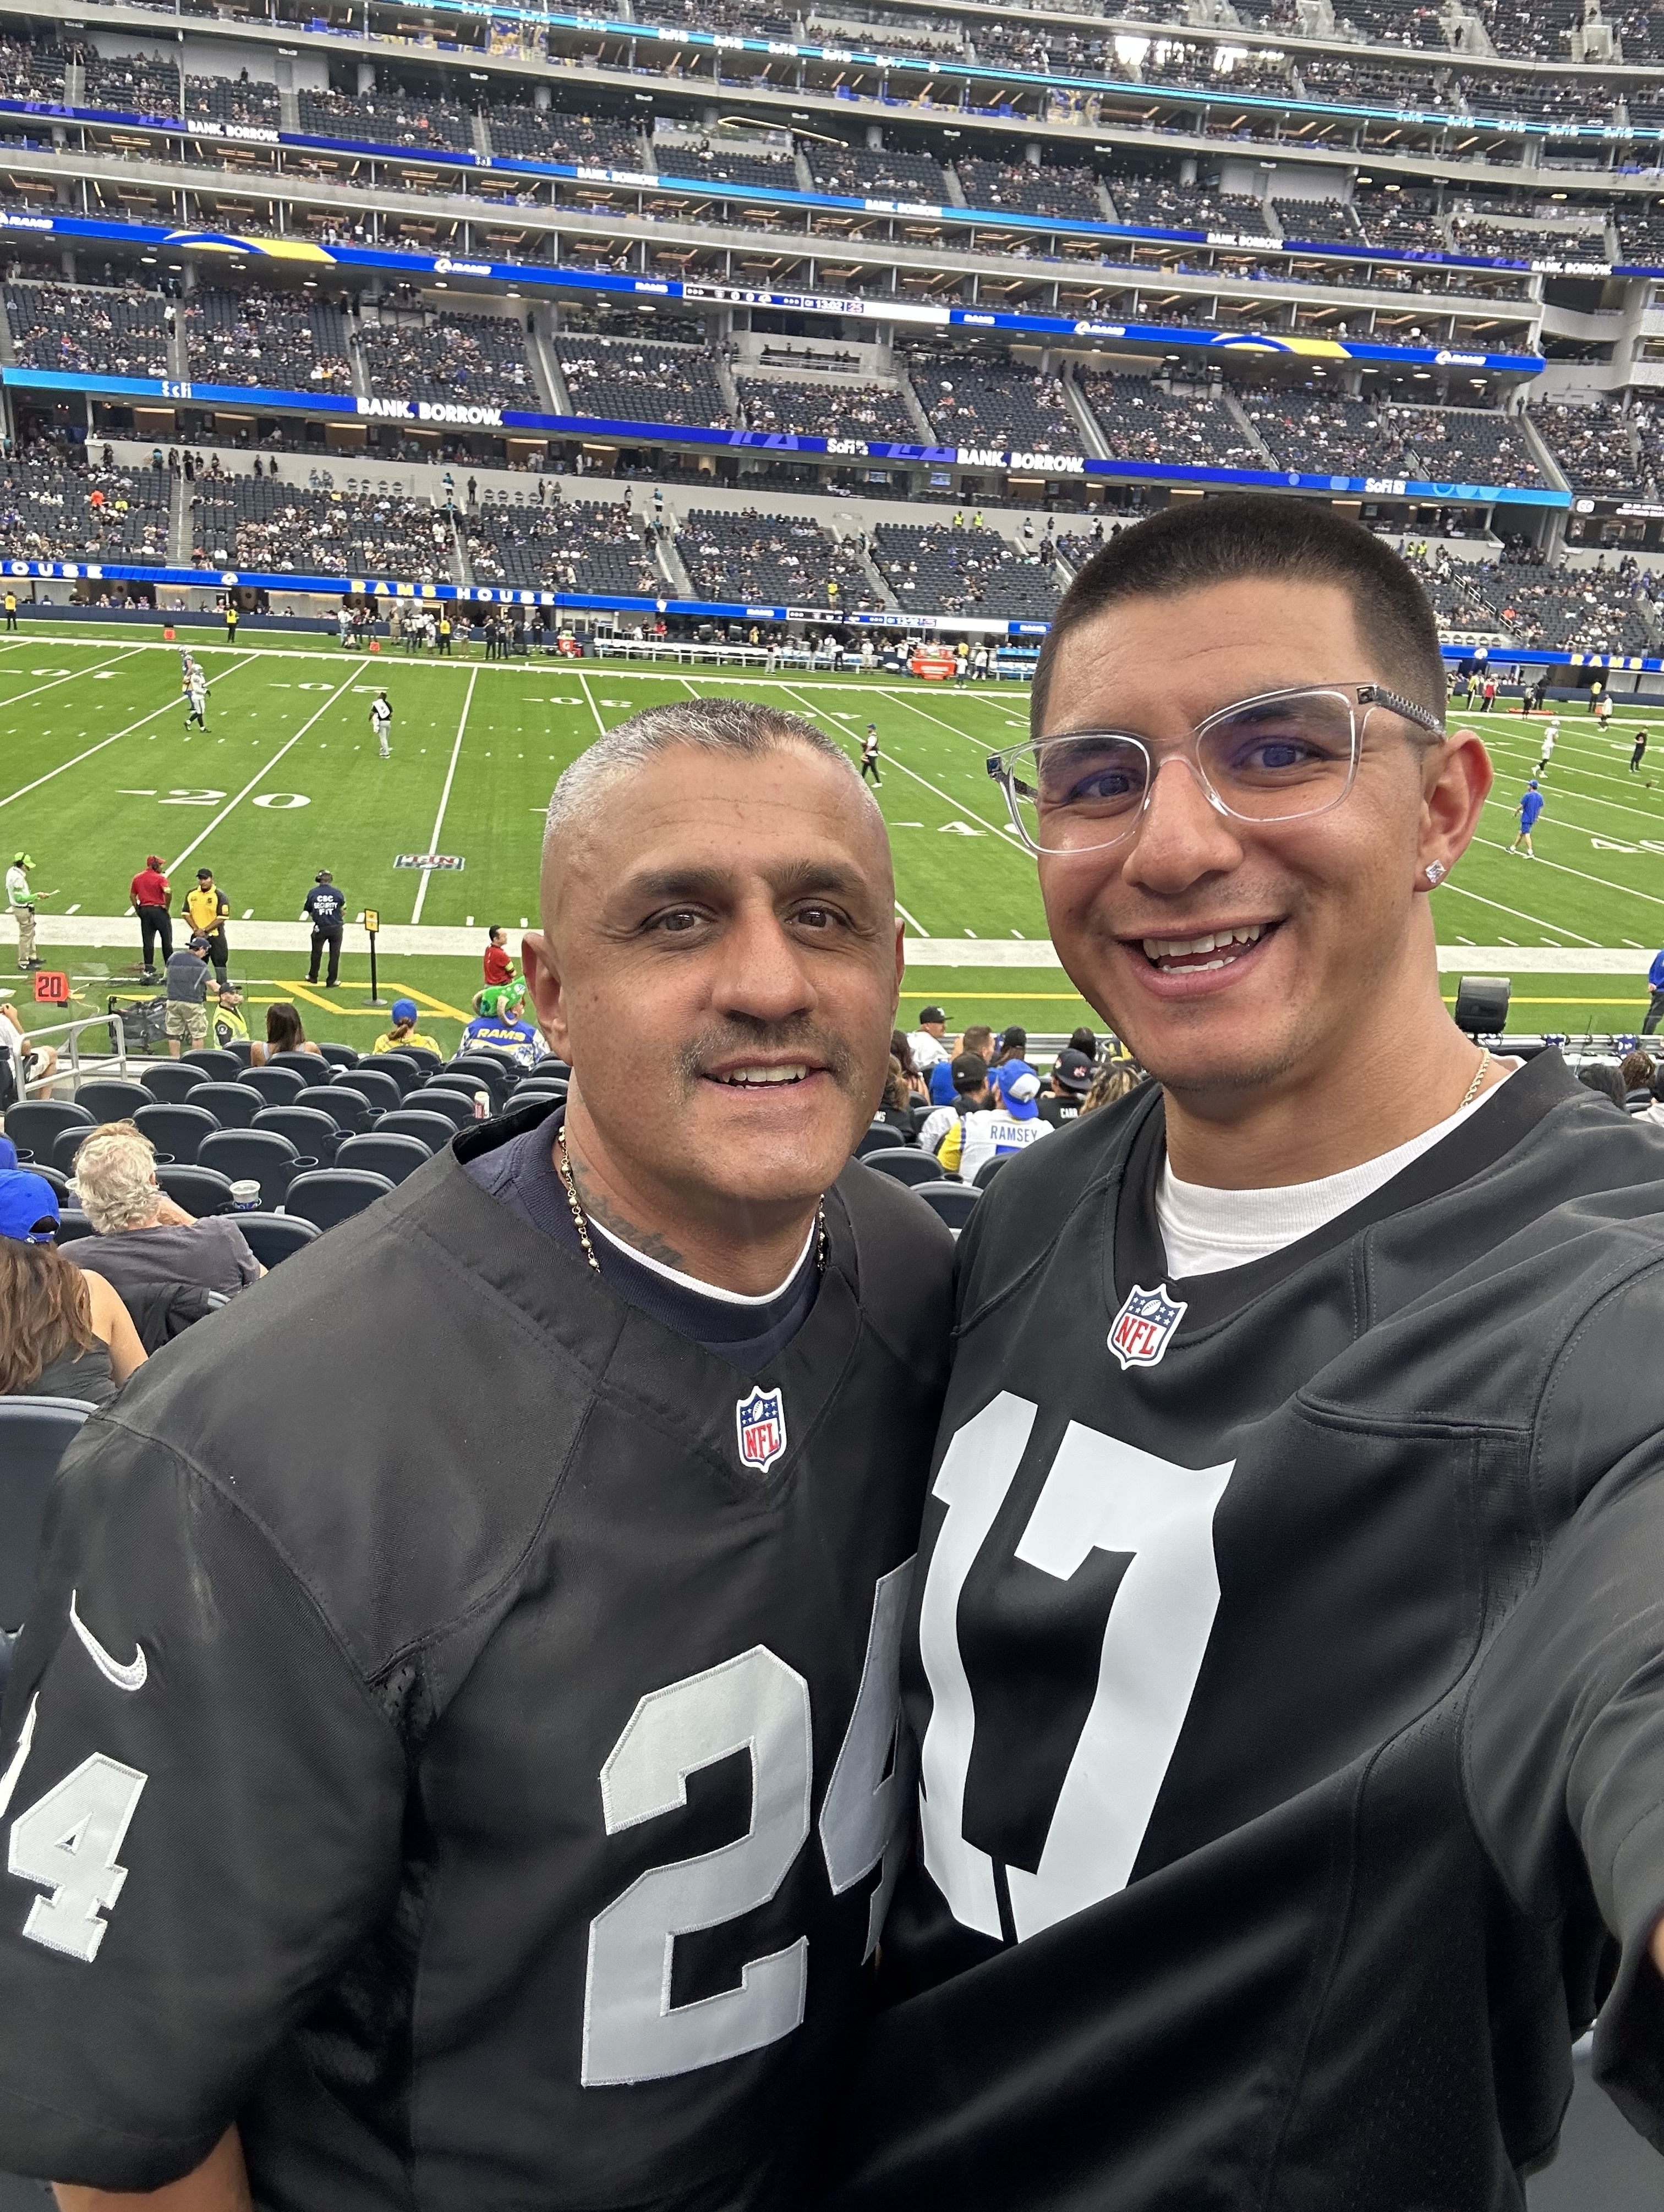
(97, 770)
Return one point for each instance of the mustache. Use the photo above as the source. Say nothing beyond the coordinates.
(725, 1039)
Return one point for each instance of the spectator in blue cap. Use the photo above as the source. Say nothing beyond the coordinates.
(63, 1334)
(404, 1031)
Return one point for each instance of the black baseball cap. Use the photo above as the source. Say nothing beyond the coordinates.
(969, 1070)
(1016, 1037)
(1073, 1070)
(930, 1014)
(199, 943)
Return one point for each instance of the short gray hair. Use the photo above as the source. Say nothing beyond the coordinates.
(713, 726)
(115, 1178)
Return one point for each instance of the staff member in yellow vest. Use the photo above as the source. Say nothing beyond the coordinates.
(232, 617)
(19, 901)
(205, 909)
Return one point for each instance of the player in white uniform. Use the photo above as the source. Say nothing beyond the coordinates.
(196, 696)
(1550, 739)
(381, 721)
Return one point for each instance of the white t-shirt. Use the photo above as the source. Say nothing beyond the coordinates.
(1550, 737)
(926, 1049)
(17, 888)
(1205, 1231)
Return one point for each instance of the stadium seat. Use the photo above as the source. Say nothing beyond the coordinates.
(47, 1173)
(305, 1065)
(457, 1106)
(457, 1079)
(426, 1060)
(34, 1435)
(391, 1154)
(107, 1099)
(954, 1202)
(241, 1050)
(273, 1236)
(499, 1073)
(985, 1174)
(200, 1191)
(35, 1125)
(907, 1167)
(330, 1195)
(170, 1082)
(67, 1143)
(313, 1135)
(433, 1130)
(278, 1086)
(339, 1055)
(383, 1091)
(71, 1224)
(258, 1156)
(880, 1139)
(233, 1105)
(534, 1094)
(217, 1067)
(401, 1066)
(175, 1130)
(348, 1108)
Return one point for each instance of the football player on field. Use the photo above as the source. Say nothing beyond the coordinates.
(1286, 1655)
(451, 1759)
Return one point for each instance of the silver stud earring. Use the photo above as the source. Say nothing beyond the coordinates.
(1435, 871)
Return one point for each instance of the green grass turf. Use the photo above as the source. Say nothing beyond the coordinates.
(96, 770)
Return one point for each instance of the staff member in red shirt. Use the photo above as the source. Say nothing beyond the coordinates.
(499, 968)
(150, 892)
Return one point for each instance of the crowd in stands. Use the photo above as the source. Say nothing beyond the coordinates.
(562, 545)
(1029, 189)
(775, 560)
(52, 509)
(232, 99)
(842, 411)
(392, 119)
(1157, 203)
(260, 337)
(1141, 423)
(973, 402)
(1462, 444)
(477, 359)
(641, 383)
(1408, 219)
(133, 83)
(33, 70)
(864, 172)
(89, 333)
(1328, 434)
(1324, 221)
(260, 523)
(959, 571)
(716, 164)
(1597, 610)
(1591, 444)
(524, 133)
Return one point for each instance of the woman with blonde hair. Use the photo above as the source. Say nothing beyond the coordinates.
(142, 1237)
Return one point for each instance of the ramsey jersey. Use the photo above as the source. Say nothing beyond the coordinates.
(1284, 1661)
(472, 1771)
(971, 1140)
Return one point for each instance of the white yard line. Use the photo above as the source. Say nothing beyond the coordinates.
(444, 799)
(583, 686)
(71, 676)
(23, 790)
(1006, 836)
(231, 805)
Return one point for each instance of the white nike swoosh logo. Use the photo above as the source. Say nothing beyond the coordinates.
(128, 1677)
(19, 1757)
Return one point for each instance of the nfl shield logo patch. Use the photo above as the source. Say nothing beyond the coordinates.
(1145, 1325)
(761, 1421)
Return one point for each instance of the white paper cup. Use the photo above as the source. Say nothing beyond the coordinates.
(246, 1196)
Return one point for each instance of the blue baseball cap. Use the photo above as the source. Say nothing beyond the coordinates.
(404, 1010)
(25, 1201)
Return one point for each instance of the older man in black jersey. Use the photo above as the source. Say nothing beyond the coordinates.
(452, 1756)
(1285, 1656)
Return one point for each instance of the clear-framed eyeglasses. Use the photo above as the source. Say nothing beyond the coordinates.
(1276, 757)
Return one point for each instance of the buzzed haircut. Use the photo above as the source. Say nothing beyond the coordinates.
(713, 726)
(1196, 542)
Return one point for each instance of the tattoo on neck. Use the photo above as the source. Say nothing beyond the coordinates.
(602, 1211)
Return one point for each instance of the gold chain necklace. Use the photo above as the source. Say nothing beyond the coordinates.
(1472, 1091)
(581, 1221)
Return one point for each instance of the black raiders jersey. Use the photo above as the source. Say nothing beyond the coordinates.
(454, 1735)
(1285, 1665)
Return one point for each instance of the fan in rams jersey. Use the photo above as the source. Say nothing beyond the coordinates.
(1286, 1656)
(451, 1756)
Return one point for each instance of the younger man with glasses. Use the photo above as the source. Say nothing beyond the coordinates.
(1285, 1652)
